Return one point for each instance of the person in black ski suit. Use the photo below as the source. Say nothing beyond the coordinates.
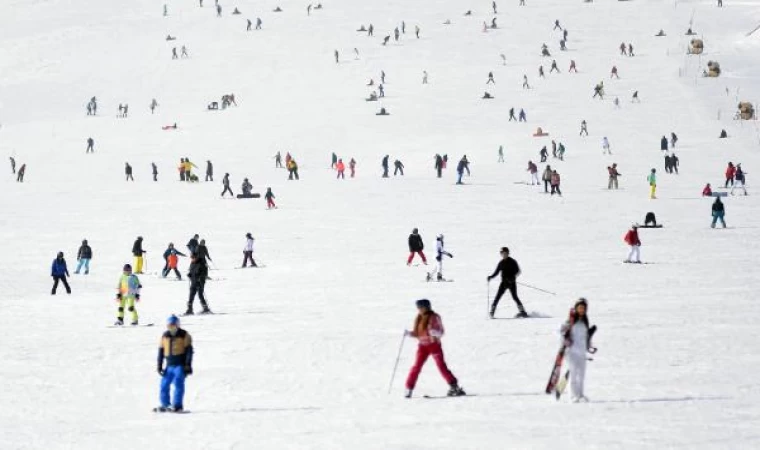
(203, 252)
(192, 244)
(510, 270)
(209, 171)
(385, 166)
(197, 274)
(226, 183)
(90, 145)
(438, 165)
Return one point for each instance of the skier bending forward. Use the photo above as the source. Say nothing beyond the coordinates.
(428, 329)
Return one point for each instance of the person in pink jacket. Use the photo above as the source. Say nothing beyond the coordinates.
(428, 329)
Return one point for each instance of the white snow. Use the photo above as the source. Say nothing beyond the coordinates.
(302, 354)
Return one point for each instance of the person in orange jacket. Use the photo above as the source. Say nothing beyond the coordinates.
(341, 169)
(171, 256)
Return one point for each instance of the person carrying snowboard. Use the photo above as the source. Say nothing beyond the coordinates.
(632, 239)
(128, 292)
(576, 336)
(428, 330)
(84, 255)
(59, 271)
(509, 270)
(176, 347)
(248, 251)
(269, 196)
(416, 246)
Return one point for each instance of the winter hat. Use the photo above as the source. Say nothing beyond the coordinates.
(127, 268)
(504, 250)
(172, 320)
(423, 303)
(60, 254)
(248, 235)
(415, 231)
(581, 301)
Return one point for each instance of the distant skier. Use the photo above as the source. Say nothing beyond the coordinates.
(138, 252)
(533, 170)
(512, 115)
(381, 90)
(632, 239)
(59, 271)
(153, 105)
(525, 84)
(674, 163)
(258, 23)
(460, 170)
(557, 26)
(249, 25)
(739, 177)
(333, 160)
(13, 164)
(417, 31)
(218, 10)
(248, 251)
(202, 252)
(424, 77)
(292, 167)
(416, 246)
(209, 171)
(128, 292)
(84, 255)
(509, 270)
(278, 161)
(613, 176)
(440, 253)
(522, 116)
(501, 148)
(584, 128)
(269, 196)
(226, 184)
(730, 173)
(128, 172)
(90, 145)
(154, 169)
(490, 78)
(572, 66)
(183, 52)
(21, 173)
(707, 191)
(541, 72)
(614, 72)
(428, 329)
(198, 273)
(652, 180)
(171, 256)
(576, 335)
(606, 146)
(385, 166)
(554, 66)
(176, 347)
(547, 178)
(438, 165)
(718, 213)
(337, 56)
(398, 167)
(555, 181)
(664, 144)
(352, 167)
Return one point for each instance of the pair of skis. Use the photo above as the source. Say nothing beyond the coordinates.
(558, 383)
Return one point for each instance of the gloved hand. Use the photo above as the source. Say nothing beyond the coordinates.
(137, 297)
(188, 370)
(118, 296)
(160, 371)
(489, 278)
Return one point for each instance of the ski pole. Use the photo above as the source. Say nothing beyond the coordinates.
(395, 366)
(538, 289)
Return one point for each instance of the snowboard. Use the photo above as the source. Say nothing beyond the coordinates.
(169, 411)
(440, 397)
(638, 225)
(556, 370)
(254, 195)
(258, 266)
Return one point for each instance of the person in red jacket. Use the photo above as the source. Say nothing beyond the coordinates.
(341, 169)
(707, 191)
(632, 239)
(428, 329)
(730, 173)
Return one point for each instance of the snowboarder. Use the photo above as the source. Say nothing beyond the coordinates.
(246, 187)
(138, 252)
(128, 172)
(59, 271)
(509, 270)
(128, 292)
(197, 273)
(226, 184)
(739, 177)
(398, 166)
(209, 171)
(416, 246)
(632, 239)
(385, 166)
(428, 330)
(269, 196)
(171, 258)
(613, 176)
(84, 255)
(90, 145)
(652, 180)
(576, 334)
(248, 251)
(176, 347)
(718, 212)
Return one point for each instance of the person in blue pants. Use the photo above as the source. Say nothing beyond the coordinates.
(176, 347)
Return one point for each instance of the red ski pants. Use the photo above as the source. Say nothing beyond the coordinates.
(411, 257)
(270, 203)
(423, 351)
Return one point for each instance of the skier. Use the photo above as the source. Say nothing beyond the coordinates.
(209, 171)
(424, 77)
(59, 271)
(371, 30)
(501, 148)
(557, 25)
(718, 212)
(576, 335)
(512, 115)
(730, 173)
(248, 251)
(664, 144)
(547, 178)
(584, 128)
(623, 49)
(428, 329)
(202, 251)
(614, 72)
(438, 165)
(128, 172)
(417, 31)
(541, 72)
(493, 5)
(21, 173)
(509, 270)
(543, 153)
(292, 167)
(153, 105)
(258, 23)
(652, 179)
(381, 90)
(674, 163)
(181, 169)
(635, 98)
(13, 164)
(533, 170)
(416, 246)
(337, 56)
(385, 166)
(525, 84)
(155, 171)
(554, 66)
(668, 164)
(278, 160)
(192, 244)
(226, 184)
(171, 256)
(572, 66)
(632, 239)
(440, 253)
(128, 292)
(138, 252)
(176, 347)
(614, 174)
(90, 145)
(84, 255)
(218, 10)
(398, 166)
(739, 176)
(197, 273)
(490, 78)
(341, 168)
(460, 170)
(269, 196)
(555, 180)
(352, 167)
(522, 116)
(606, 146)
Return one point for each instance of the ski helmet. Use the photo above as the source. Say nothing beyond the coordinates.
(127, 267)
(423, 303)
(172, 320)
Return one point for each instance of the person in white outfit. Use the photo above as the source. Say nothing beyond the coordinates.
(248, 251)
(440, 253)
(606, 146)
(577, 340)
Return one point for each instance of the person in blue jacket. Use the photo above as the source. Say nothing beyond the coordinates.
(176, 347)
(60, 272)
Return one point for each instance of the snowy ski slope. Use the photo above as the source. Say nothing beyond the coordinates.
(300, 354)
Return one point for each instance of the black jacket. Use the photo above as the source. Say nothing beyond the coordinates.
(137, 249)
(718, 207)
(509, 270)
(202, 252)
(415, 243)
(85, 252)
(209, 168)
(192, 245)
(198, 271)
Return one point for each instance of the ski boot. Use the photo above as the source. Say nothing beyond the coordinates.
(189, 312)
(440, 276)
(408, 393)
(491, 314)
(160, 409)
(429, 277)
(206, 310)
(119, 322)
(521, 315)
(456, 391)
(134, 324)
(176, 409)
